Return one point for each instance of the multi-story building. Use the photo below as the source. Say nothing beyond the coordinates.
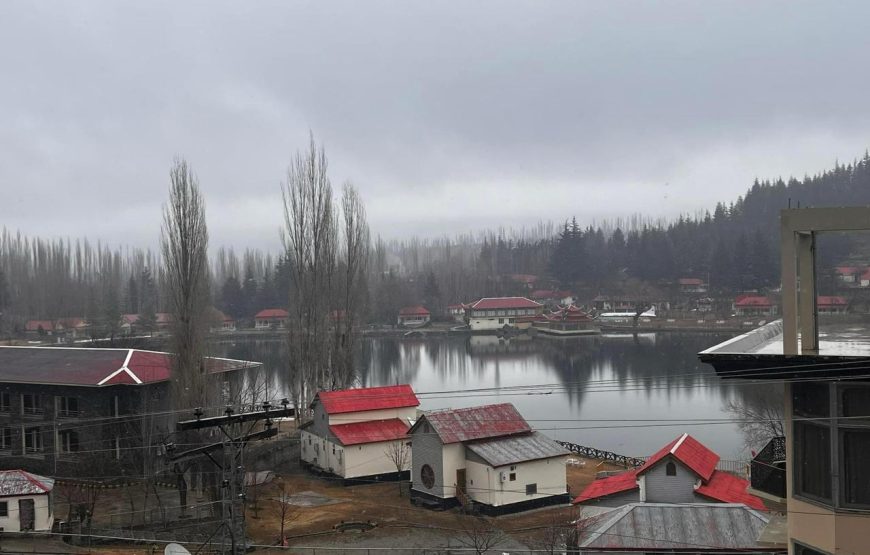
(497, 312)
(819, 471)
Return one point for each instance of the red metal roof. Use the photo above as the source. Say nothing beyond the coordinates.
(94, 367)
(611, 485)
(34, 325)
(413, 311)
(728, 488)
(752, 300)
(20, 482)
(372, 431)
(472, 423)
(688, 451)
(272, 313)
(847, 270)
(827, 300)
(493, 303)
(367, 398)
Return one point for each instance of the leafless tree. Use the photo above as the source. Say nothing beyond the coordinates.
(400, 455)
(287, 512)
(479, 534)
(759, 414)
(184, 244)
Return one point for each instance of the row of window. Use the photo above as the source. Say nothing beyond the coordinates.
(32, 403)
(511, 312)
(32, 440)
(832, 443)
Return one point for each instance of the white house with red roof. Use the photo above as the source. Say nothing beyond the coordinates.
(754, 305)
(848, 274)
(831, 304)
(683, 471)
(413, 316)
(494, 313)
(354, 432)
(25, 502)
(488, 456)
(457, 312)
(271, 318)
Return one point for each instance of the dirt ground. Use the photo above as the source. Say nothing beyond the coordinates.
(398, 522)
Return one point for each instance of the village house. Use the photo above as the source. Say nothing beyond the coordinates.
(46, 393)
(848, 274)
(689, 285)
(627, 304)
(817, 473)
(413, 316)
(497, 312)
(553, 297)
(828, 304)
(754, 305)
(673, 528)
(864, 279)
(360, 434)
(457, 312)
(683, 471)
(25, 502)
(487, 456)
(271, 319)
(129, 324)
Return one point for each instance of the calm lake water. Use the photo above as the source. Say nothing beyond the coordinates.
(620, 393)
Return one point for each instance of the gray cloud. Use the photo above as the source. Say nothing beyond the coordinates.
(448, 116)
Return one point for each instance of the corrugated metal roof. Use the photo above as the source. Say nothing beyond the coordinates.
(695, 526)
(626, 481)
(473, 423)
(371, 431)
(688, 451)
(728, 488)
(514, 449)
(367, 398)
(19, 482)
(493, 303)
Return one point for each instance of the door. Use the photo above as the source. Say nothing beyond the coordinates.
(460, 480)
(26, 514)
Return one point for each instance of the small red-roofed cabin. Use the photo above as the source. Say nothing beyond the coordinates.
(847, 274)
(488, 456)
(413, 316)
(683, 471)
(360, 434)
(271, 319)
(495, 313)
(831, 304)
(25, 502)
(754, 305)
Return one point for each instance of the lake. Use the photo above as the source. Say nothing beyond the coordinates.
(622, 393)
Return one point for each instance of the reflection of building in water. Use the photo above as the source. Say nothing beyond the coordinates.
(491, 346)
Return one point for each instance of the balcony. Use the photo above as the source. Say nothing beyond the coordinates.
(767, 472)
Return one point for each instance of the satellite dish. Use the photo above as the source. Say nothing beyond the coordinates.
(175, 549)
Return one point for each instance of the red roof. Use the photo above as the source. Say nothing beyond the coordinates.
(372, 431)
(611, 485)
(472, 423)
(129, 318)
(367, 398)
(825, 300)
(34, 325)
(690, 281)
(847, 270)
(492, 303)
(94, 367)
(272, 313)
(413, 311)
(20, 482)
(688, 451)
(728, 488)
(752, 300)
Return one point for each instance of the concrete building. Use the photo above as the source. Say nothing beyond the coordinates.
(360, 434)
(25, 502)
(683, 471)
(498, 312)
(487, 456)
(824, 484)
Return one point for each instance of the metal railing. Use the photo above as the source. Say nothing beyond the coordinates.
(767, 469)
(592, 453)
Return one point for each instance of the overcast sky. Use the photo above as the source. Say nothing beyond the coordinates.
(448, 116)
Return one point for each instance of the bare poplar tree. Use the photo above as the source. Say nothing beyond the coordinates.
(310, 244)
(184, 244)
(400, 455)
(479, 534)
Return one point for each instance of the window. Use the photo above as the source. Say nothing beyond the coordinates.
(31, 403)
(68, 441)
(501, 320)
(6, 439)
(856, 453)
(5, 401)
(32, 440)
(531, 489)
(4, 508)
(671, 469)
(804, 550)
(67, 406)
(513, 477)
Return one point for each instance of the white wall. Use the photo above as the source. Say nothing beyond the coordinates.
(43, 518)
(453, 459)
(549, 475)
(404, 413)
(350, 461)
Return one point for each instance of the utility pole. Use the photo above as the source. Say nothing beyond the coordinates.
(231, 464)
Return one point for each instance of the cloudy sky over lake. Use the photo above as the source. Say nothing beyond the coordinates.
(448, 116)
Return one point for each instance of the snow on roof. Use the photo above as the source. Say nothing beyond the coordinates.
(20, 482)
(367, 398)
(371, 431)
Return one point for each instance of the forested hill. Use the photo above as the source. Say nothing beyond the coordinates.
(735, 246)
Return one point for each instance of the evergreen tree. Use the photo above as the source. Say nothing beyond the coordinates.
(233, 298)
(132, 303)
(249, 292)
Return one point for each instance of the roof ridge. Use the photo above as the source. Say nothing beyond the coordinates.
(678, 443)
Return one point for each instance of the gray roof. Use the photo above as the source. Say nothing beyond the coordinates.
(516, 449)
(677, 526)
